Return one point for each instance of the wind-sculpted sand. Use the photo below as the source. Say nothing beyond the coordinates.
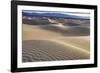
(40, 44)
(48, 50)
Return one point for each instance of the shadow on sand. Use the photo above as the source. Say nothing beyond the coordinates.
(70, 28)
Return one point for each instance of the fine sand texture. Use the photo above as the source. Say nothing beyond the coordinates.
(51, 43)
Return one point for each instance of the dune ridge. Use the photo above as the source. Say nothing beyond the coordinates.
(47, 50)
(45, 45)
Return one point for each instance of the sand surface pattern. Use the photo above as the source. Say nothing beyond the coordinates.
(40, 44)
(44, 50)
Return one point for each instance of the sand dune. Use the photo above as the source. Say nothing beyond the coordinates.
(81, 42)
(48, 20)
(40, 44)
(68, 30)
(44, 50)
(31, 32)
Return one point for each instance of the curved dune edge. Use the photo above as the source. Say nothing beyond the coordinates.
(81, 42)
(43, 45)
(31, 32)
(72, 46)
(66, 44)
(51, 50)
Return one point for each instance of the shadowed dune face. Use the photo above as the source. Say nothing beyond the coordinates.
(30, 31)
(69, 31)
(46, 21)
(35, 22)
(72, 27)
(52, 39)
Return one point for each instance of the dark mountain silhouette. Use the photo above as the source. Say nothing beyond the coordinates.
(51, 14)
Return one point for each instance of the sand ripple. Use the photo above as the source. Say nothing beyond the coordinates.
(45, 50)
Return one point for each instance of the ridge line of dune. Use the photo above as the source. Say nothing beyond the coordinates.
(66, 44)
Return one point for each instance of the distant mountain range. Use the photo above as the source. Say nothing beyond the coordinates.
(53, 14)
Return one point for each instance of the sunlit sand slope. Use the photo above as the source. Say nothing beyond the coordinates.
(31, 32)
(45, 45)
(81, 42)
(44, 50)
